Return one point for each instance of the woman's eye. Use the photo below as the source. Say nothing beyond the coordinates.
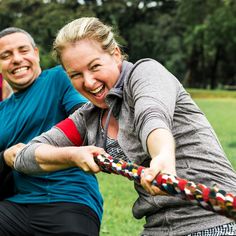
(75, 76)
(95, 67)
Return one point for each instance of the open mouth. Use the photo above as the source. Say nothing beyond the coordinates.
(98, 91)
(20, 70)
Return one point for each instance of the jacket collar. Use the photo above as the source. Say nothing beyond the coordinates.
(115, 95)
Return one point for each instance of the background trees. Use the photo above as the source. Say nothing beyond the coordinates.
(195, 40)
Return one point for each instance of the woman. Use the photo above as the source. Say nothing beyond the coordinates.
(138, 112)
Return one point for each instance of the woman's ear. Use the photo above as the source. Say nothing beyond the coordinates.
(117, 54)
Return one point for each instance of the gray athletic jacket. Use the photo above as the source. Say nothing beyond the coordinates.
(148, 97)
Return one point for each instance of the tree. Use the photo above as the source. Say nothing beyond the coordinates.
(195, 39)
(206, 24)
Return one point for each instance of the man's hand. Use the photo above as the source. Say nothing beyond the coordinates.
(10, 153)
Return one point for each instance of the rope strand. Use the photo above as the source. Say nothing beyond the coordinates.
(212, 199)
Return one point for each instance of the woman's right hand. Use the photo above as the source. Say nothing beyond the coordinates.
(83, 157)
(51, 158)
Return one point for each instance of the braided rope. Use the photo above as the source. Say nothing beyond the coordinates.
(212, 199)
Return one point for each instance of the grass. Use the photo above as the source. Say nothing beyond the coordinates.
(201, 93)
(119, 195)
(118, 192)
(221, 113)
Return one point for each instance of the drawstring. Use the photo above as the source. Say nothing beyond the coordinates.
(106, 126)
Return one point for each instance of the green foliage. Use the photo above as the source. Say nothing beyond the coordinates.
(195, 40)
(210, 25)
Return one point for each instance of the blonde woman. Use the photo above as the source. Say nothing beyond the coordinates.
(138, 112)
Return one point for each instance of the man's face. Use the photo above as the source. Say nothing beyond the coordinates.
(19, 61)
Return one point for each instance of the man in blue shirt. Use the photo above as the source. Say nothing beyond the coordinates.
(53, 203)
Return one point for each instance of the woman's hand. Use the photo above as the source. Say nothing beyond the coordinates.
(161, 147)
(83, 157)
(51, 158)
(157, 165)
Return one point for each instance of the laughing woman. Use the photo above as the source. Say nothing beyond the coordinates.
(138, 112)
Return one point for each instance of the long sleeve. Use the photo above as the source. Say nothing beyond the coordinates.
(153, 92)
(63, 134)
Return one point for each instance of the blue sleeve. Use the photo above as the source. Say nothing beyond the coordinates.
(71, 97)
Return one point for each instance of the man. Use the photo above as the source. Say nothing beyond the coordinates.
(40, 99)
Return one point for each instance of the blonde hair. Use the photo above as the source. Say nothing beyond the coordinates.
(85, 28)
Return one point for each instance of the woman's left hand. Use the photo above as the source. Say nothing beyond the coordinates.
(159, 164)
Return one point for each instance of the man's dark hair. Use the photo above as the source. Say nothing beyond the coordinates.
(12, 30)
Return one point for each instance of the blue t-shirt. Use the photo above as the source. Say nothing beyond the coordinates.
(27, 114)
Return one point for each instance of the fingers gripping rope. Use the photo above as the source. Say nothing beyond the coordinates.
(212, 199)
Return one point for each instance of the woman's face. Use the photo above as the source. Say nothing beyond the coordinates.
(93, 71)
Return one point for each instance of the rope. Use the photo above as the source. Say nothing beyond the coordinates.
(212, 199)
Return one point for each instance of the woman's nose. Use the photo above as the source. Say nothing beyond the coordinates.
(89, 80)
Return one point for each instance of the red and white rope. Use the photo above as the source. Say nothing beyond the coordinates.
(212, 199)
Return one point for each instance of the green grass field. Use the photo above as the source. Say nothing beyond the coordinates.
(221, 113)
(118, 191)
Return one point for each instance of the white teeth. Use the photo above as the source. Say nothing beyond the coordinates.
(20, 69)
(97, 89)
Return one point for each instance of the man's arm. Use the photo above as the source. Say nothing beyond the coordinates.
(6, 179)
(8, 156)
(4, 168)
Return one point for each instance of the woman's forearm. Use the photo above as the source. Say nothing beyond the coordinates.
(51, 158)
(38, 158)
(161, 147)
(160, 142)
